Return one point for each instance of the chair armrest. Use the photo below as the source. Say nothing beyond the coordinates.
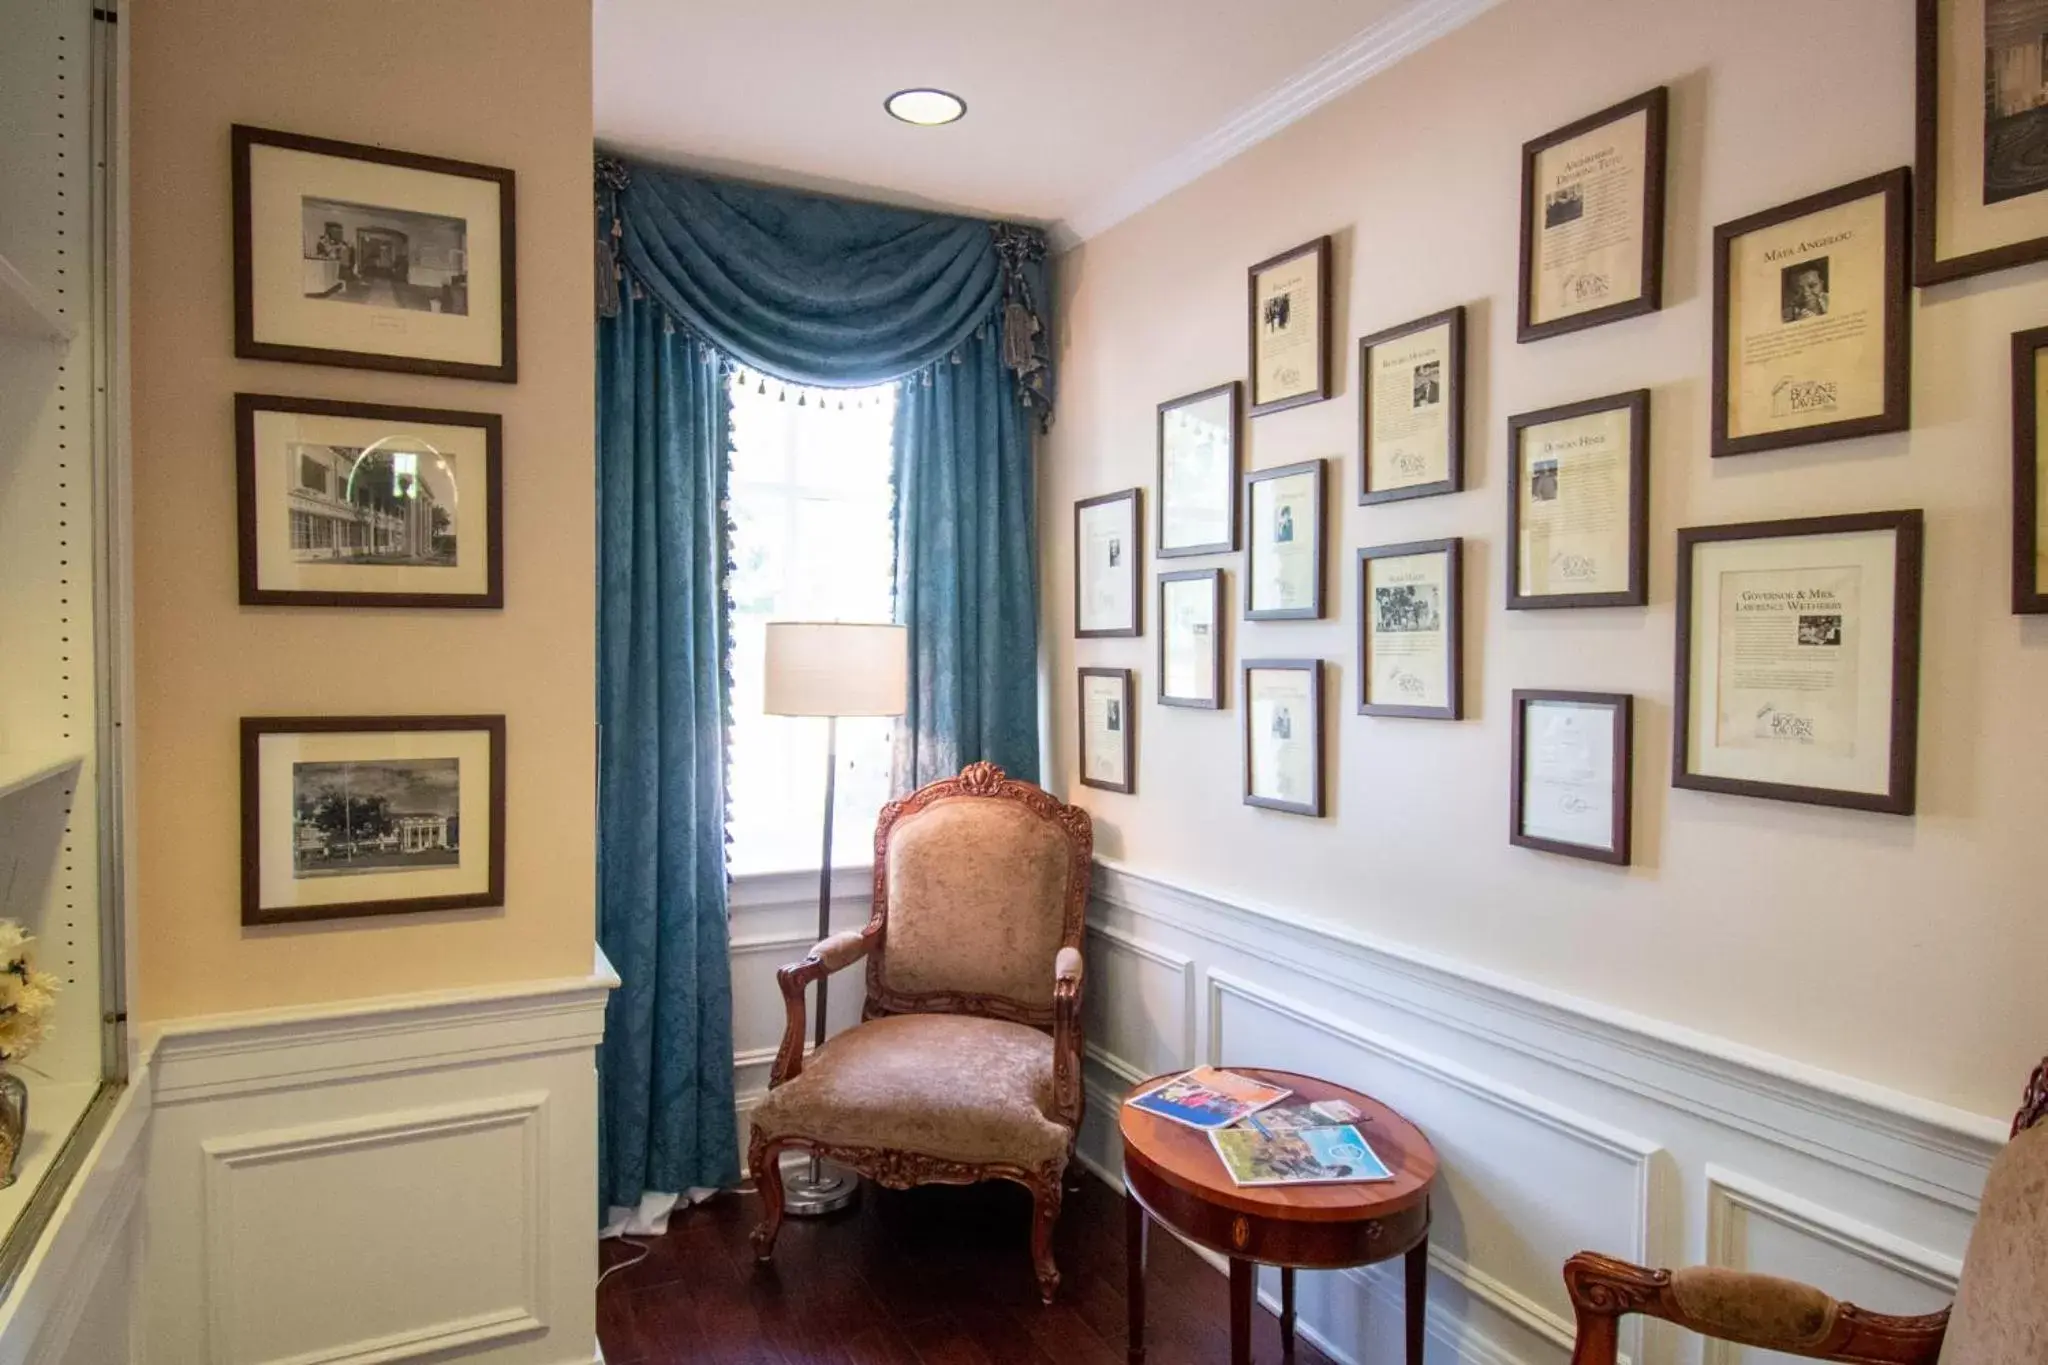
(1740, 1307)
(1067, 971)
(827, 956)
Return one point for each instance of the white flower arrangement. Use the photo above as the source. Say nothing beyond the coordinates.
(26, 994)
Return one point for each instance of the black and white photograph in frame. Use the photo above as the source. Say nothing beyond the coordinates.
(1107, 551)
(1571, 774)
(1283, 735)
(1198, 472)
(1107, 749)
(352, 255)
(1411, 409)
(364, 505)
(346, 816)
(1410, 650)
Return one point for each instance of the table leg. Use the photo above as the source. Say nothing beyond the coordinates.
(1243, 1284)
(1287, 1311)
(1136, 1227)
(1417, 1297)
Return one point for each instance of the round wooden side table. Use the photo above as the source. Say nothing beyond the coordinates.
(1173, 1175)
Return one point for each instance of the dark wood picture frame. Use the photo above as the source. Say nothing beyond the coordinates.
(247, 405)
(1904, 729)
(1622, 707)
(1929, 267)
(1314, 669)
(1215, 577)
(254, 728)
(1136, 497)
(1896, 188)
(1126, 712)
(1320, 248)
(249, 347)
(1453, 551)
(1234, 390)
(1637, 404)
(2028, 598)
(1314, 611)
(1454, 398)
(1655, 104)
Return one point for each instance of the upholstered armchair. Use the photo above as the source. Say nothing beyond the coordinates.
(967, 1063)
(2000, 1316)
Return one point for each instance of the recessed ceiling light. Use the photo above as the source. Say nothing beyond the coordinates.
(926, 108)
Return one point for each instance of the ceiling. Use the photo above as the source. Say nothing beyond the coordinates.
(1079, 113)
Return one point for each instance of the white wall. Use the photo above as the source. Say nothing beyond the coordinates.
(1901, 951)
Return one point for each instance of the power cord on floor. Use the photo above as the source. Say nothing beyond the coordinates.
(646, 1250)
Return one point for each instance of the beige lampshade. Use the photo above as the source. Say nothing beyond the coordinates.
(836, 668)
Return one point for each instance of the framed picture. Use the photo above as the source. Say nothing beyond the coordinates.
(1579, 504)
(1191, 639)
(1106, 554)
(2029, 517)
(353, 255)
(1290, 328)
(1593, 220)
(1198, 472)
(362, 505)
(371, 815)
(1284, 514)
(1411, 409)
(1283, 734)
(1978, 202)
(1799, 660)
(1106, 724)
(1410, 656)
(1812, 323)
(1571, 788)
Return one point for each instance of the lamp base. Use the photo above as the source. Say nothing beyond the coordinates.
(833, 1188)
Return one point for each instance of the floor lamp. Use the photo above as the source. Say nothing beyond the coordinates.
(831, 669)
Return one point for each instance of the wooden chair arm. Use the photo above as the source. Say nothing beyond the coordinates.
(1068, 969)
(1746, 1309)
(827, 956)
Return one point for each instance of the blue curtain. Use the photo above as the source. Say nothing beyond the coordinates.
(666, 1068)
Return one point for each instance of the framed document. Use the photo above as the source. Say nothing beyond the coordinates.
(1799, 660)
(1411, 409)
(1191, 639)
(1283, 734)
(1284, 515)
(1106, 723)
(1571, 786)
(1812, 328)
(1579, 504)
(1290, 328)
(347, 254)
(1198, 472)
(1106, 553)
(1593, 220)
(1981, 105)
(2029, 517)
(1410, 659)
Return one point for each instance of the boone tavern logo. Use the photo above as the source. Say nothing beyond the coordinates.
(1799, 397)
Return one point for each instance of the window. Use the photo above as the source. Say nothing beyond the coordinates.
(813, 540)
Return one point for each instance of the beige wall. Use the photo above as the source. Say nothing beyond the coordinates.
(508, 85)
(1905, 951)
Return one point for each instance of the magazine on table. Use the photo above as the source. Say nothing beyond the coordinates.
(1306, 1156)
(1292, 1118)
(1208, 1098)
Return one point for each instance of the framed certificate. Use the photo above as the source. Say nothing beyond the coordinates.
(1799, 660)
(1593, 220)
(1812, 328)
(1411, 409)
(1570, 791)
(1981, 103)
(2029, 410)
(1191, 639)
(1198, 472)
(1579, 504)
(1283, 734)
(1410, 661)
(1284, 524)
(1290, 328)
(1106, 723)
(1106, 553)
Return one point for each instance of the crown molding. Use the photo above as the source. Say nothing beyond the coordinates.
(1407, 30)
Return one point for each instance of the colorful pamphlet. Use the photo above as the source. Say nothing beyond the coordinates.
(1208, 1098)
(1292, 1118)
(1311, 1156)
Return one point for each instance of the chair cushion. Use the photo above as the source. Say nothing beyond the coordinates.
(2001, 1312)
(944, 1085)
(977, 900)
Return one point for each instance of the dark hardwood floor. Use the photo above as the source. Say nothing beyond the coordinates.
(934, 1276)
